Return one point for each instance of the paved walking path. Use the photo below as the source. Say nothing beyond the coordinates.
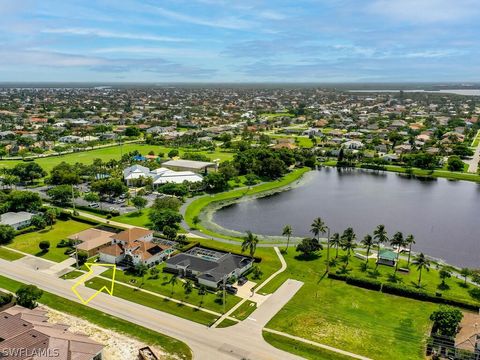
(473, 163)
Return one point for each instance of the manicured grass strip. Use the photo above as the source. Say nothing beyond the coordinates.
(244, 310)
(154, 302)
(9, 254)
(72, 275)
(103, 320)
(226, 323)
(29, 243)
(451, 175)
(304, 350)
(134, 218)
(197, 205)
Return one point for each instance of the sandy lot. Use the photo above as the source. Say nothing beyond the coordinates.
(117, 346)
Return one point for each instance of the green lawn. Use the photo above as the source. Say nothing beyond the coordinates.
(61, 230)
(476, 140)
(226, 323)
(114, 152)
(366, 322)
(244, 310)
(170, 345)
(161, 286)
(72, 275)
(452, 175)
(9, 254)
(155, 302)
(134, 218)
(306, 351)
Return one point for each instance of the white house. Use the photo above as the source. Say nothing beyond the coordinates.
(159, 176)
(132, 247)
(17, 220)
(353, 145)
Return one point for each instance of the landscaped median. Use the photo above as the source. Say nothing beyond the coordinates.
(195, 207)
(170, 345)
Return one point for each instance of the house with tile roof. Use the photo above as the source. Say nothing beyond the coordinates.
(28, 335)
(132, 247)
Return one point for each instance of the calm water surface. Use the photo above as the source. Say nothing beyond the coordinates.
(442, 215)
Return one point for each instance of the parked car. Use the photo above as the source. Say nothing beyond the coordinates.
(242, 281)
(231, 289)
(94, 205)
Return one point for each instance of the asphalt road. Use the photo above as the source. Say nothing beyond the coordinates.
(241, 341)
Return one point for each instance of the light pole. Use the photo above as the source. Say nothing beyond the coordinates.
(224, 290)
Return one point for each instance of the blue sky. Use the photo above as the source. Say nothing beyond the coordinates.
(240, 41)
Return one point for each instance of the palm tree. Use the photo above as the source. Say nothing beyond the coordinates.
(368, 242)
(287, 231)
(319, 227)
(187, 285)
(409, 240)
(465, 272)
(250, 243)
(202, 290)
(380, 236)
(348, 241)
(421, 262)
(173, 281)
(335, 240)
(397, 241)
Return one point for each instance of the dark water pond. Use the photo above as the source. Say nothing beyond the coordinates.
(444, 216)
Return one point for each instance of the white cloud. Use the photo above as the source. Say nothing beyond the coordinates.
(111, 34)
(228, 22)
(146, 50)
(426, 11)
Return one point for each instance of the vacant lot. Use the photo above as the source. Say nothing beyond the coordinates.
(362, 321)
(61, 230)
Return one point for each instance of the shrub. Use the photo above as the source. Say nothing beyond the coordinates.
(27, 296)
(475, 293)
(5, 299)
(44, 245)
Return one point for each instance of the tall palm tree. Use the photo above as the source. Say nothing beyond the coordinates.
(380, 236)
(319, 227)
(397, 241)
(250, 243)
(287, 231)
(409, 240)
(173, 281)
(348, 241)
(421, 262)
(336, 241)
(368, 242)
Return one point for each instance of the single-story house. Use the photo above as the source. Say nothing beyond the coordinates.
(25, 329)
(17, 220)
(132, 247)
(136, 173)
(353, 145)
(92, 240)
(208, 270)
(189, 165)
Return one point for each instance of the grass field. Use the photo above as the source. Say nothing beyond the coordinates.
(244, 310)
(476, 140)
(114, 152)
(155, 302)
(365, 322)
(29, 242)
(9, 255)
(197, 205)
(72, 275)
(134, 218)
(301, 349)
(105, 321)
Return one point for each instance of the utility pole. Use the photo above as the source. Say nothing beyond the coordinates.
(224, 290)
(76, 252)
(73, 200)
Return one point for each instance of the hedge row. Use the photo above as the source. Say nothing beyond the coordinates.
(25, 230)
(402, 290)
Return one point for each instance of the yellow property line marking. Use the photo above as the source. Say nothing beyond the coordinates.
(84, 277)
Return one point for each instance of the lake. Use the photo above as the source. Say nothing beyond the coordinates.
(465, 92)
(441, 214)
